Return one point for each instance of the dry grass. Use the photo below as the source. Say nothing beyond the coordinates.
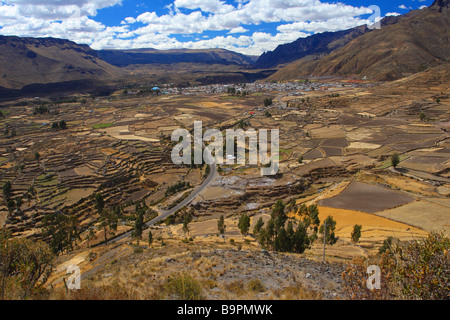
(295, 292)
(90, 291)
(374, 228)
(255, 285)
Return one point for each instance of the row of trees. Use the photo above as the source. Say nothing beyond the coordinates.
(237, 93)
(280, 234)
(179, 186)
(268, 102)
(63, 230)
(10, 202)
(59, 125)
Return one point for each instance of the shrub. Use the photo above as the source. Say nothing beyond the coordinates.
(256, 285)
(268, 102)
(24, 266)
(237, 287)
(244, 224)
(90, 292)
(395, 160)
(329, 232)
(422, 116)
(415, 270)
(182, 287)
(258, 226)
(356, 233)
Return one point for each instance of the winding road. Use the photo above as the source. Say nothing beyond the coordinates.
(164, 214)
(212, 175)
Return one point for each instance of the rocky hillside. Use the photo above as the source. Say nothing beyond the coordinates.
(123, 58)
(416, 41)
(321, 43)
(25, 61)
(216, 271)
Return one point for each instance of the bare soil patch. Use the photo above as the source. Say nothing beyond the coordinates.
(367, 198)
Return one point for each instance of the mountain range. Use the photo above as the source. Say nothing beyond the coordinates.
(25, 61)
(123, 58)
(404, 45)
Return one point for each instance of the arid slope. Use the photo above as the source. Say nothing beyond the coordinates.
(25, 61)
(417, 41)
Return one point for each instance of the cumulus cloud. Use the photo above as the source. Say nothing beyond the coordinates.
(75, 20)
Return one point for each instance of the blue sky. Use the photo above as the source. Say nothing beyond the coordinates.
(246, 26)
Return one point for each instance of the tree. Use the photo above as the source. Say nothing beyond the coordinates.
(258, 226)
(40, 109)
(422, 116)
(24, 265)
(138, 226)
(389, 245)
(395, 160)
(150, 237)
(268, 102)
(330, 237)
(62, 229)
(7, 190)
(186, 220)
(55, 125)
(99, 202)
(356, 233)
(108, 222)
(11, 205)
(244, 224)
(91, 236)
(282, 241)
(19, 203)
(412, 270)
(63, 125)
(313, 214)
(221, 225)
(300, 240)
(231, 91)
(113, 221)
(270, 233)
(278, 216)
(242, 123)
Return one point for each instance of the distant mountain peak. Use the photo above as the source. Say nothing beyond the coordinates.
(441, 4)
(404, 46)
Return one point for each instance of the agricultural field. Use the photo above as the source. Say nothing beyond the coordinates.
(335, 152)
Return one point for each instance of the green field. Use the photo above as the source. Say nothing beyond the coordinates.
(103, 125)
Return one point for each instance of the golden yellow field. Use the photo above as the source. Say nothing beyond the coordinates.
(374, 228)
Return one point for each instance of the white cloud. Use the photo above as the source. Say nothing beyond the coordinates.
(333, 24)
(213, 6)
(403, 7)
(73, 19)
(238, 30)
